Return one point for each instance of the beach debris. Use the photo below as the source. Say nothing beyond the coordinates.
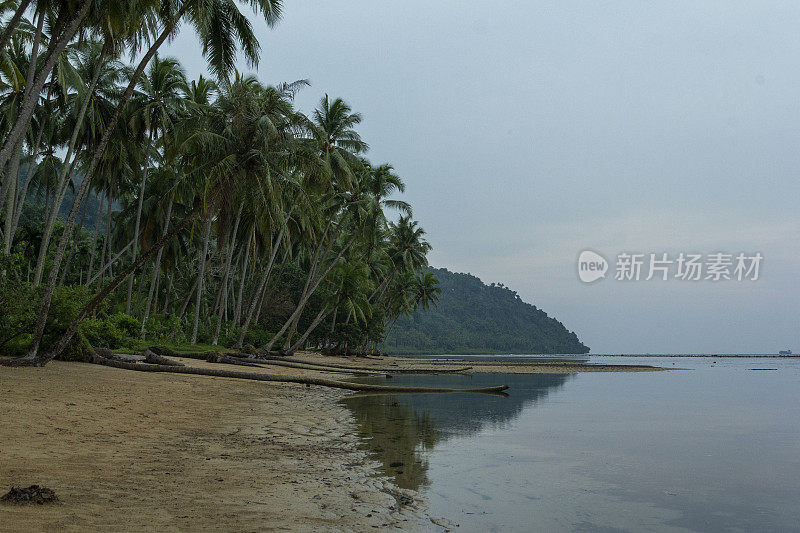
(32, 494)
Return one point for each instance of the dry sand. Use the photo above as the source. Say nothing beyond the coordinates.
(139, 451)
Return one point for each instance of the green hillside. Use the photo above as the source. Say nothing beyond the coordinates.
(472, 317)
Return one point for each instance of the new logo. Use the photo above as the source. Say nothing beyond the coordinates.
(591, 266)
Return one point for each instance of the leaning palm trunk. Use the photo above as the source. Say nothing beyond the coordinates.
(52, 216)
(66, 170)
(187, 300)
(107, 266)
(139, 218)
(157, 266)
(105, 260)
(306, 293)
(13, 174)
(12, 177)
(123, 101)
(224, 298)
(75, 237)
(202, 267)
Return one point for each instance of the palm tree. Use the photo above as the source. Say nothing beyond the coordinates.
(332, 131)
(157, 104)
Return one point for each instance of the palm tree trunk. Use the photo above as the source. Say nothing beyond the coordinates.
(12, 180)
(139, 218)
(237, 315)
(105, 260)
(107, 266)
(47, 297)
(267, 294)
(333, 323)
(13, 174)
(224, 303)
(158, 286)
(168, 293)
(188, 299)
(157, 265)
(23, 193)
(201, 260)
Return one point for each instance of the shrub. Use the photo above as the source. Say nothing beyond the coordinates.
(165, 329)
(102, 333)
(257, 336)
(129, 325)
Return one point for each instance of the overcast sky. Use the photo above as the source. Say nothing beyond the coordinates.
(527, 132)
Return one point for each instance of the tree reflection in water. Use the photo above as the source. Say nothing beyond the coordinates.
(401, 429)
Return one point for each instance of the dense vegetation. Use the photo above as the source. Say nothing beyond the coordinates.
(472, 317)
(224, 215)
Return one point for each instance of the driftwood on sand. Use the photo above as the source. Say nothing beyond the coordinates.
(364, 387)
(155, 359)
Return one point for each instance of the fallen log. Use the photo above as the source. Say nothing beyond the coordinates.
(155, 359)
(98, 359)
(215, 357)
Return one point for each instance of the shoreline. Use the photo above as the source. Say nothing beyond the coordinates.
(140, 450)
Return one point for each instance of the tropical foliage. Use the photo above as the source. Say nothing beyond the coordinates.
(138, 205)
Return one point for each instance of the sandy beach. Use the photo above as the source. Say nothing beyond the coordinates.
(136, 451)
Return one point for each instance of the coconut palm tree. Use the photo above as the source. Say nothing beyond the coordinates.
(157, 104)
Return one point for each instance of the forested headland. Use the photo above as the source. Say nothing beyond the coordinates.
(474, 318)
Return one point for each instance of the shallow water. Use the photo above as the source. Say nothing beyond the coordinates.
(712, 448)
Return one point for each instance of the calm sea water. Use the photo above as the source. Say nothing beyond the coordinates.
(712, 448)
